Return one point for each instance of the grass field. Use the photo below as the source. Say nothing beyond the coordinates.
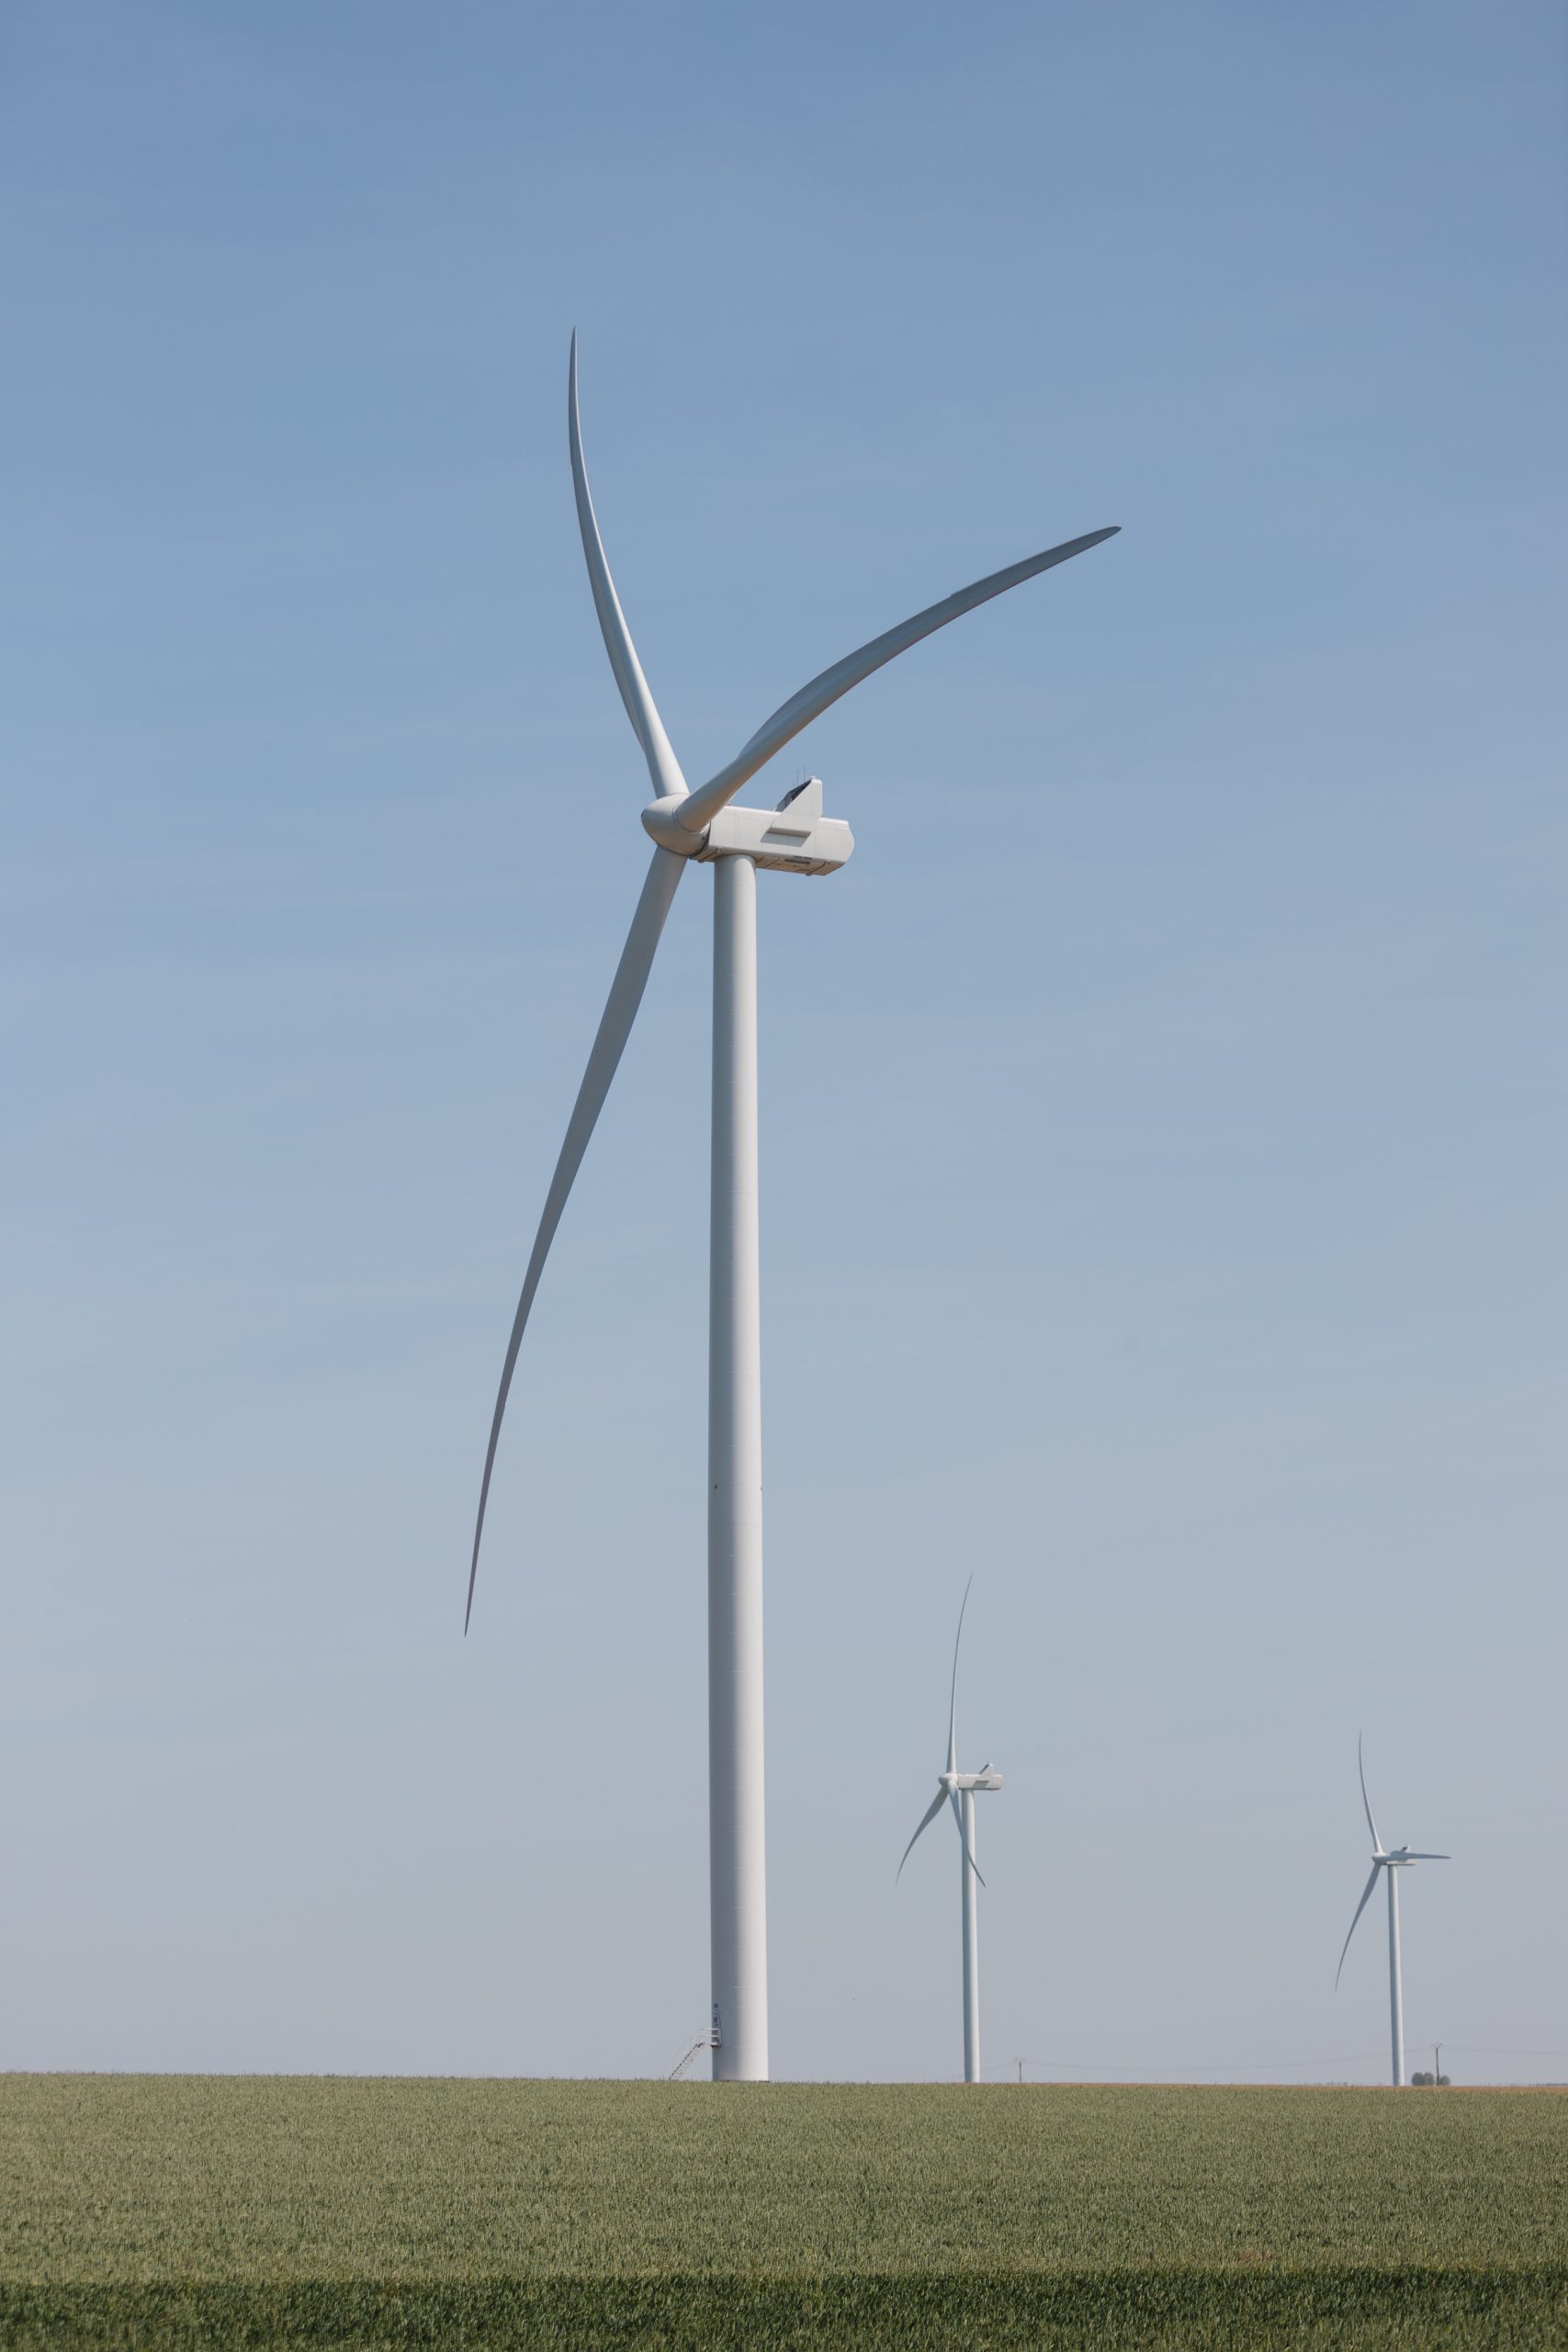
(180, 2212)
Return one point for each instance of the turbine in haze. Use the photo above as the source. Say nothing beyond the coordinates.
(794, 838)
(1393, 1860)
(958, 1789)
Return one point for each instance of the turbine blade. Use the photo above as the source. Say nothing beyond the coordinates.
(826, 688)
(958, 1817)
(1366, 1896)
(927, 1817)
(1372, 1825)
(615, 1027)
(952, 1695)
(1406, 1856)
(641, 709)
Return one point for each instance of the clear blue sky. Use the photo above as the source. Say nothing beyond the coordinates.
(1164, 1128)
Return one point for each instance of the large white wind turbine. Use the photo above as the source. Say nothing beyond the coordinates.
(1392, 1860)
(794, 838)
(958, 1789)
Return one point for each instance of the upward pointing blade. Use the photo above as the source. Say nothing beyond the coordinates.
(1366, 1893)
(952, 1695)
(816, 696)
(1372, 1825)
(615, 1027)
(648, 727)
(927, 1817)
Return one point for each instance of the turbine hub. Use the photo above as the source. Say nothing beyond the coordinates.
(660, 819)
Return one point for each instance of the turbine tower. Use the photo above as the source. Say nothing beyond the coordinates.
(959, 1790)
(705, 827)
(1392, 1860)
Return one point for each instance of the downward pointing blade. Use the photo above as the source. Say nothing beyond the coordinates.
(927, 1817)
(816, 696)
(1366, 1895)
(648, 727)
(1372, 1825)
(958, 1817)
(615, 1027)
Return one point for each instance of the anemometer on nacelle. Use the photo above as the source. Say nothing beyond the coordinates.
(794, 838)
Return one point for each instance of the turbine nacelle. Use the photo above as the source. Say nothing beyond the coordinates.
(794, 838)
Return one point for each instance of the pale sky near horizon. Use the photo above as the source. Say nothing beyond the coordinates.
(1164, 1139)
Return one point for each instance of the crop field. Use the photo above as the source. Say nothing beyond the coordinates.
(185, 2211)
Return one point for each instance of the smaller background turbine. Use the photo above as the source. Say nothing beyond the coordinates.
(959, 1790)
(1392, 1860)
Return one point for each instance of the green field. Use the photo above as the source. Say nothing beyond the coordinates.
(239, 2211)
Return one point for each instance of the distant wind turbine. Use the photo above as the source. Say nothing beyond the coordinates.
(702, 827)
(958, 1789)
(1392, 1860)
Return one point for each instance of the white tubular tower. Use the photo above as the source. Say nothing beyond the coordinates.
(1396, 1986)
(738, 1912)
(971, 1882)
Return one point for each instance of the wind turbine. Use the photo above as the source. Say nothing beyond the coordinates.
(958, 1789)
(795, 837)
(1392, 1860)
